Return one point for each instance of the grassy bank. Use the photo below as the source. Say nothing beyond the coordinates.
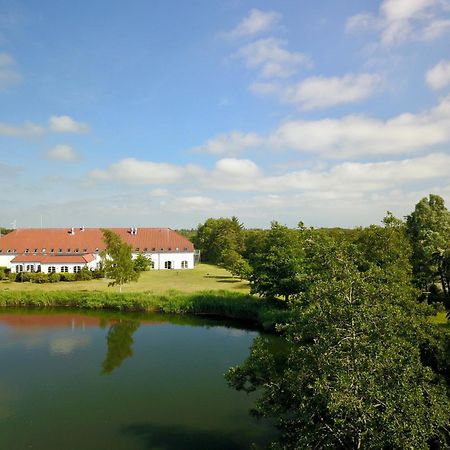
(204, 277)
(226, 304)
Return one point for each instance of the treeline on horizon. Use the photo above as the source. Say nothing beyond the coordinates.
(363, 366)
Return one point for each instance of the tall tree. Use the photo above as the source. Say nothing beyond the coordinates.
(429, 230)
(352, 376)
(117, 260)
(278, 269)
(220, 240)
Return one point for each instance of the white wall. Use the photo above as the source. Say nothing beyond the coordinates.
(5, 260)
(159, 259)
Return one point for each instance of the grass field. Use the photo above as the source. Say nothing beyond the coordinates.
(440, 319)
(204, 277)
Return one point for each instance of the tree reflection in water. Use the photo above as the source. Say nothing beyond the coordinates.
(120, 344)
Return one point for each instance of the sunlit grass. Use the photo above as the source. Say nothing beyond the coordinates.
(204, 277)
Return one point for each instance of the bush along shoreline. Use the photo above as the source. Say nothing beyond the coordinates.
(223, 304)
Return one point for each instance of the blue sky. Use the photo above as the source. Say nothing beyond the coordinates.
(164, 113)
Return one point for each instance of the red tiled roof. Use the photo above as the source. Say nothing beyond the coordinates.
(90, 240)
(56, 259)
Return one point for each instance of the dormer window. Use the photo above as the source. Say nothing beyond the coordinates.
(44, 250)
(169, 249)
(76, 250)
(35, 250)
(52, 250)
(27, 250)
(137, 249)
(68, 250)
(85, 250)
(60, 250)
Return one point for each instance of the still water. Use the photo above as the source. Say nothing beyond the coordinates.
(115, 381)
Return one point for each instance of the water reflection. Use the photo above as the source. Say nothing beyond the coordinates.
(120, 344)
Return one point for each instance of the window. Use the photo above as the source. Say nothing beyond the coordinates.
(137, 249)
(51, 269)
(38, 268)
(96, 250)
(152, 264)
(184, 264)
(44, 250)
(177, 249)
(167, 264)
(145, 249)
(30, 268)
(35, 250)
(85, 250)
(76, 250)
(64, 269)
(60, 250)
(68, 250)
(19, 268)
(9, 250)
(162, 249)
(169, 249)
(153, 249)
(77, 269)
(185, 249)
(27, 250)
(52, 250)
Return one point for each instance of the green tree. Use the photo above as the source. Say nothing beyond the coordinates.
(141, 263)
(117, 260)
(352, 376)
(429, 230)
(219, 239)
(279, 268)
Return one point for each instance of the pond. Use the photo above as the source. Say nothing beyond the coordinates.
(72, 380)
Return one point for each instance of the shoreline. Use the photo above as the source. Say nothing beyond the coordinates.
(220, 304)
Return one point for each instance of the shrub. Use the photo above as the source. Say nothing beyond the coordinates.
(2, 273)
(39, 278)
(54, 277)
(67, 276)
(84, 275)
(98, 273)
(22, 277)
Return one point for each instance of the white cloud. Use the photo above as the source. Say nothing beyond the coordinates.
(28, 129)
(255, 23)
(8, 72)
(350, 136)
(134, 171)
(404, 20)
(196, 203)
(321, 92)
(62, 152)
(65, 124)
(439, 75)
(362, 177)
(159, 192)
(230, 143)
(272, 58)
(357, 135)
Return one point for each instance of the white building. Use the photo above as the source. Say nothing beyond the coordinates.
(70, 249)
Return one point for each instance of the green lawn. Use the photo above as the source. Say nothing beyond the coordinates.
(440, 319)
(204, 277)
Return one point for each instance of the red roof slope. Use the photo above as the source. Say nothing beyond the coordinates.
(90, 240)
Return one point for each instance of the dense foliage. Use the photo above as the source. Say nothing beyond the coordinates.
(429, 230)
(360, 369)
(117, 260)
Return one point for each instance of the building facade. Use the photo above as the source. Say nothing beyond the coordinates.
(68, 250)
